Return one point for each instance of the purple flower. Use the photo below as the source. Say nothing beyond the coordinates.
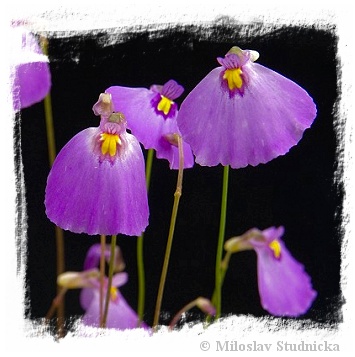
(151, 116)
(120, 315)
(243, 113)
(30, 70)
(285, 288)
(97, 182)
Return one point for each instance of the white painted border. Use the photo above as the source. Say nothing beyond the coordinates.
(83, 16)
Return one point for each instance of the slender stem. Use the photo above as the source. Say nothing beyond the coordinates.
(177, 196)
(141, 279)
(49, 129)
(148, 170)
(59, 236)
(222, 227)
(110, 274)
(55, 303)
(49, 115)
(177, 317)
(224, 268)
(102, 275)
(140, 241)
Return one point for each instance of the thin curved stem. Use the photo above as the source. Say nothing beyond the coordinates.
(102, 275)
(110, 275)
(178, 315)
(177, 196)
(55, 303)
(222, 228)
(224, 268)
(140, 241)
(59, 236)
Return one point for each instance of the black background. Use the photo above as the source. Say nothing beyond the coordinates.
(297, 190)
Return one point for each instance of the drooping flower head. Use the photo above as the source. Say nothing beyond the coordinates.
(97, 182)
(120, 315)
(151, 117)
(285, 288)
(243, 113)
(30, 69)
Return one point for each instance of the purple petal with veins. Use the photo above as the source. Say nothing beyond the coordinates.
(149, 123)
(88, 192)
(253, 124)
(284, 286)
(30, 69)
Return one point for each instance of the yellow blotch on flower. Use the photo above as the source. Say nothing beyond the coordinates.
(165, 105)
(109, 143)
(276, 248)
(113, 293)
(233, 77)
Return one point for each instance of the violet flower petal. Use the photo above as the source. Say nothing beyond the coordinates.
(120, 315)
(30, 72)
(172, 90)
(87, 294)
(165, 150)
(149, 127)
(285, 288)
(93, 256)
(249, 128)
(141, 117)
(87, 195)
(86, 297)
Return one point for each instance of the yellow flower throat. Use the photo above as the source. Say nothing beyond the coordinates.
(233, 77)
(165, 104)
(276, 248)
(109, 143)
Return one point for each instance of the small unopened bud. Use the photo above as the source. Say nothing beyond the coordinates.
(240, 243)
(206, 306)
(237, 244)
(77, 280)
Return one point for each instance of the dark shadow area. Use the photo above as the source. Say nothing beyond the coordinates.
(297, 190)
